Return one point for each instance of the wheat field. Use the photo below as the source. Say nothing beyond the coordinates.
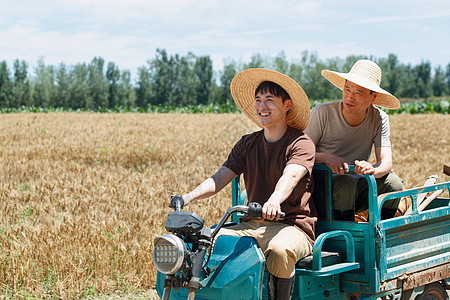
(82, 195)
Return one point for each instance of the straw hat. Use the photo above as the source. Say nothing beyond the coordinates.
(245, 83)
(367, 74)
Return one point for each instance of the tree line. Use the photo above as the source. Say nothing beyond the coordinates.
(177, 81)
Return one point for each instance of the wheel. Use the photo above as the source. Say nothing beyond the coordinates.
(433, 291)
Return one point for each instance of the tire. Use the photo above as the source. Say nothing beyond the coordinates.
(433, 291)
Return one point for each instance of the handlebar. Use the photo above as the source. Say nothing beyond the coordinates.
(176, 202)
(253, 210)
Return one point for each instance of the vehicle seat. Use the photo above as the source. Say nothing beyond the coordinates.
(328, 259)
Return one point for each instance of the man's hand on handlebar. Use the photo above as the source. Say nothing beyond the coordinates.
(337, 164)
(363, 167)
(255, 210)
(177, 202)
(271, 211)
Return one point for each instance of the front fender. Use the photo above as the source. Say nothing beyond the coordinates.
(235, 271)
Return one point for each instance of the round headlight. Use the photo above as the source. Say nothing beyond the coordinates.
(168, 253)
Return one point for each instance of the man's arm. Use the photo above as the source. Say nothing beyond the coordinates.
(288, 181)
(210, 186)
(381, 168)
(337, 164)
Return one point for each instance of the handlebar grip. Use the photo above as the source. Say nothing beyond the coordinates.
(255, 210)
(176, 202)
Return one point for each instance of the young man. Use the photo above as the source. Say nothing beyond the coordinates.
(344, 132)
(276, 163)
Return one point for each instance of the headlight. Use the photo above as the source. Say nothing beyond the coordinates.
(168, 253)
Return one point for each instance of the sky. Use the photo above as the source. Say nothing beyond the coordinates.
(128, 32)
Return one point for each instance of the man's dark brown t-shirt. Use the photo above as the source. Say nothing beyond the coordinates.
(262, 164)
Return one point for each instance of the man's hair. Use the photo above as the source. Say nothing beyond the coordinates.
(273, 88)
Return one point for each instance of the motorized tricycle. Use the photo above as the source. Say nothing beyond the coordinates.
(406, 257)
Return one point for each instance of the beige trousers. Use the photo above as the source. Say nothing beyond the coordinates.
(283, 245)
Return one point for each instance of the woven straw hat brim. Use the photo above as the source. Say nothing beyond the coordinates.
(384, 98)
(245, 83)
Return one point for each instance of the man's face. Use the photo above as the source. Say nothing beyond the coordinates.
(356, 99)
(271, 109)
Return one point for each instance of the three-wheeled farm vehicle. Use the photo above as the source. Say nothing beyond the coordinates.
(406, 257)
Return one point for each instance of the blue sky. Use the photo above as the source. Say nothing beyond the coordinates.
(128, 32)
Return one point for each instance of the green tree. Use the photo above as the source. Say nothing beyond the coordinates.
(43, 85)
(113, 77)
(438, 83)
(125, 90)
(98, 84)
(5, 85)
(329, 90)
(203, 69)
(230, 70)
(21, 91)
(407, 86)
(79, 87)
(447, 76)
(144, 88)
(185, 82)
(313, 82)
(162, 77)
(422, 74)
(296, 72)
(62, 87)
(281, 64)
(256, 61)
(391, 73)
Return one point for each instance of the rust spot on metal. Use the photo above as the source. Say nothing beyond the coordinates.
(424, 277)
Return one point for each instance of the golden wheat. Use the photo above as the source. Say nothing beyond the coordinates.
(83, 195)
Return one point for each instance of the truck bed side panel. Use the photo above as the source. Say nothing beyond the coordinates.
(413, 243)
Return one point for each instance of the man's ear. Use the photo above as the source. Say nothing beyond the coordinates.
(288, 104)
(374, 97)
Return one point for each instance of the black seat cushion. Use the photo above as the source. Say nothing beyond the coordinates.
(328, 259)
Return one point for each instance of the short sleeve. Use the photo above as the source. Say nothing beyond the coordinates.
(236, 159)
(315, 128)
(302, 153)
(383, 138)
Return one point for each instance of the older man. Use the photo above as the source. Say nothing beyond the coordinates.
(344, 133)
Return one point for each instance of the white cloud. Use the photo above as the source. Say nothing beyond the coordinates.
(398, 18)
(128, 32)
